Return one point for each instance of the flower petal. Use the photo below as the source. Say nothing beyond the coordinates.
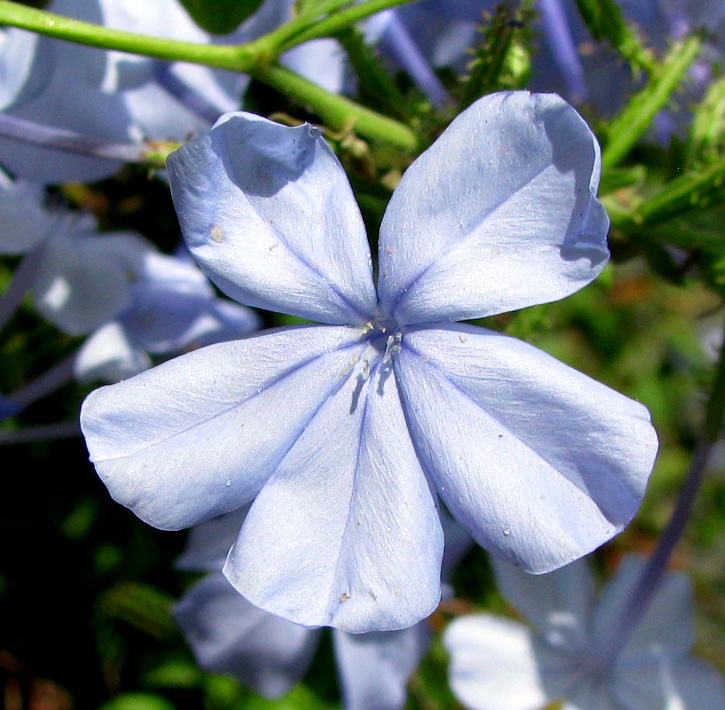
(229, 635)
(173, 307)
(321, 60)
(58, 84)
(558, 604)
(457, 543)
(499, 213)
(346, 532)
(588, 695)
(268, 213)
(541, 463)
(497, 664)
(109, 356)
(374, 668)
(680, 684)
(208, 543)
(24, 222)
(83, 280)
(667, 625)
(199, 435)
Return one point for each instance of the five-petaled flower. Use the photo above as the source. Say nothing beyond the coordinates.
(346, 434)
(499, 664)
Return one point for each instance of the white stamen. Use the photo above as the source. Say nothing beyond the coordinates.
(393, 347)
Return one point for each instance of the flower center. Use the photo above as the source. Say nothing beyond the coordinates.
(385, 336)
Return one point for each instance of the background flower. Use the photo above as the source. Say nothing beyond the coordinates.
(499, 664)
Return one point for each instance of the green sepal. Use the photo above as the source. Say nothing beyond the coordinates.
(376, 86)
(502, 60)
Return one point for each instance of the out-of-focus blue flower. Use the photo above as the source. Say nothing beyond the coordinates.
(105, 95)
(422, 37)
(118, 97)
(498, 664)
(429, 35)
(172, 308)
(116, 287)
(79, 278)
(432, 34)
(270, 654)
(8, 408)
(709, 14)
(346, 433)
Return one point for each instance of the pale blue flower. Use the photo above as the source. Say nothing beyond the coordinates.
(172, 308)
(116, 97)
(79, 278)
(346, 433)
(105, 95)
(270, 654)
(499, 664)
(432, 34)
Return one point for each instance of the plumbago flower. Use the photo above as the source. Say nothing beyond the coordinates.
(499, 664)
(105, 95)
(345, 434)
(270, 654)
(172, 307)
(114, 97)
(79, 278)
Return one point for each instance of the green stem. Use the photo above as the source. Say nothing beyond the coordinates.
(279, 37)
(636, 117)
(336, 22)
(336, 111)
(688, 192)
(237, 58)
(339, 112)
(715, 412)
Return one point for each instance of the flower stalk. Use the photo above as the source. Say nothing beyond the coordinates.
(21, 281)
(653, 572)
(50, 381)
(254, 58)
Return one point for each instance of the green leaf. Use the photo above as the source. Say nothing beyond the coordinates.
(174, 673)
(604, 20)
(617, 179)
(693, 191)
(299, 698)
(220, 17)
(635, 118)
(138, 701)
(707, 134)
(142, 606)
(713, 271)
